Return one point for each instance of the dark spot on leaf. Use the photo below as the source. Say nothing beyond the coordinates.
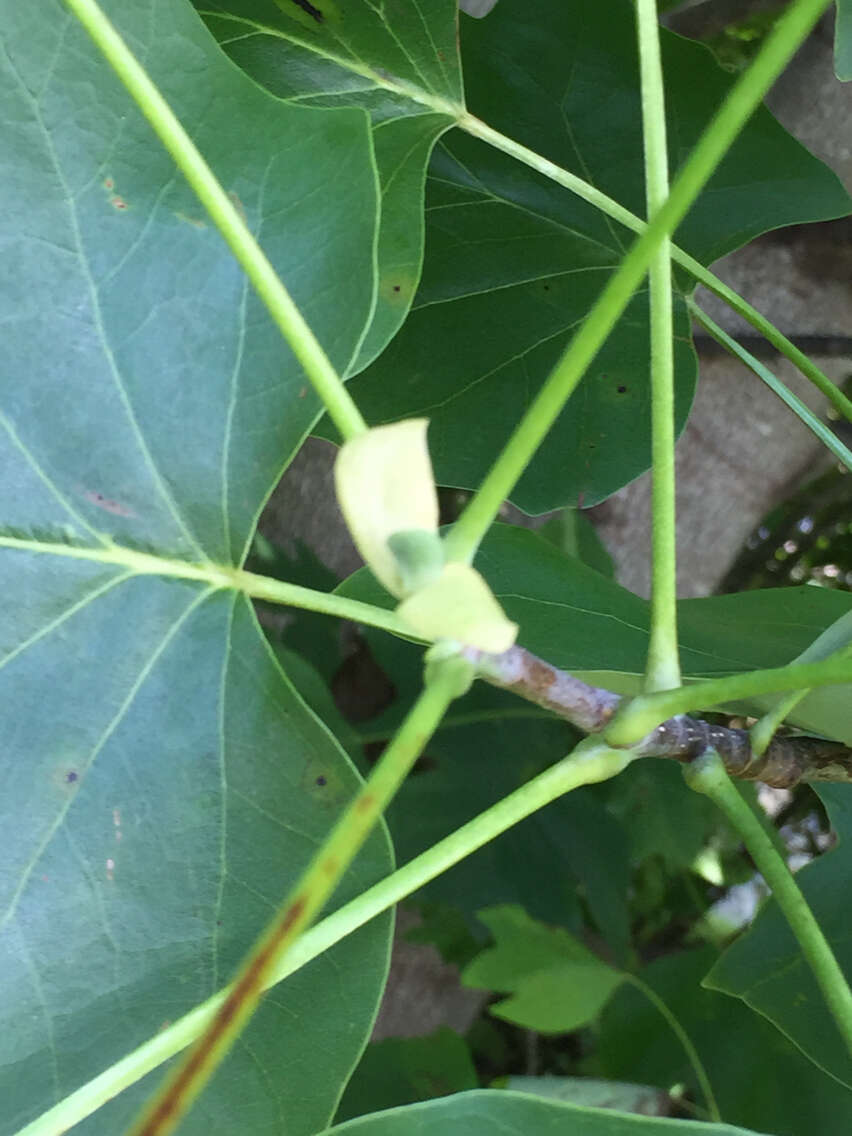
(71, 776)
(397, 288)
(321, 780)
(117, 202)
(546, 287)
(621, 389)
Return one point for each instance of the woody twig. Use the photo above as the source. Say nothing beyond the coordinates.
(787, 760)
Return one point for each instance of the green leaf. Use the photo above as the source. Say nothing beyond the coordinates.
(580, 621)
(660, 814)
(766, 969)
(573, 533)
(483, 1112)
(556, 983)
(401, 1071)
(401, 66)
(760, 1080)
(513, 261)
(164, 785)
(843, 41)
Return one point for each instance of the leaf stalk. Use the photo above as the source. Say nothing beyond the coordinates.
(662, 671)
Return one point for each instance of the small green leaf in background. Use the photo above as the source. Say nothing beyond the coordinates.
(557, 984)
(400, 1071)
(163, 783)
(514, 261)
(484, 1112)
(765, 967)
(843, 41)
(759, 1078)
(394, 64)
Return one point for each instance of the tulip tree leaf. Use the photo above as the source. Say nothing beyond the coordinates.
(577, 619)
(163, 783)
(514, 261)
(556, 984)
(484, 1111)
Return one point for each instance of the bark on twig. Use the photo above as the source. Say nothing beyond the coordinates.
(788, 758)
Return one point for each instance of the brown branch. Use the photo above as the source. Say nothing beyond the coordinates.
(788, 758)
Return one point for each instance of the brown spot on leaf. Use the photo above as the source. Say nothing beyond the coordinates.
(118, 203)
(240, 207)
(108, 505)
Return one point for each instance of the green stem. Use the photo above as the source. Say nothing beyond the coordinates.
(828, 438)
(789, 32)
(646, 712)
(581, 768)
(770, 332)
(662, 671)
(712, 283)
(305, 900)
(303, 343)
(707, 775)
(217, 576)
(685, 1041)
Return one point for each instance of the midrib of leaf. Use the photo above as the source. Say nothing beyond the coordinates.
(217, 577)
(110, 729)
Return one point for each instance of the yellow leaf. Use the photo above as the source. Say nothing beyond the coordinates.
(385, 485)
